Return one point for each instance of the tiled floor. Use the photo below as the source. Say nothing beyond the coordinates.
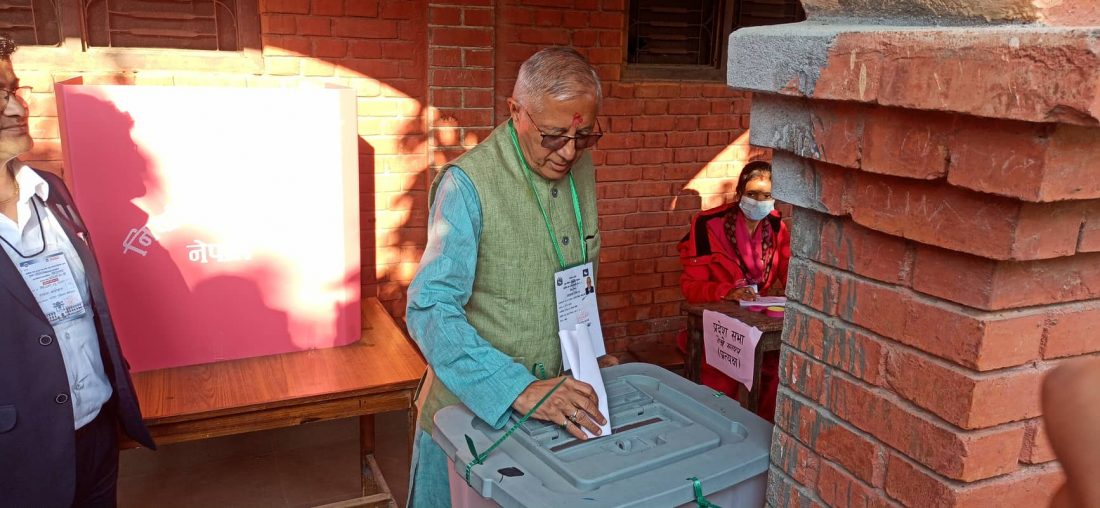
(312, 464)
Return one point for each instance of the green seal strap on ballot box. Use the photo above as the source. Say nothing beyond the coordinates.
(480, 458)
(699, 499)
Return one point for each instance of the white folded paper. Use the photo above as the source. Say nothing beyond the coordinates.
(576, 346)
(765, 301)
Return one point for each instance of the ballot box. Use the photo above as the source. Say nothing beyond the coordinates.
(665, 430)
(225, 220)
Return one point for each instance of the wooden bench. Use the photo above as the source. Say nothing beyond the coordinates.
(379, 373)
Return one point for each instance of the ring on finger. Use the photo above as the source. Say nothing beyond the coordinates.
(575, 413)
(565, 423)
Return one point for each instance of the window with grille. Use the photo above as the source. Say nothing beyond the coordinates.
(214, 25)
(673, 31)
(31, 22)
(694, 32)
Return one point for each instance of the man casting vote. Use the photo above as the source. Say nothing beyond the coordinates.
(508, 219)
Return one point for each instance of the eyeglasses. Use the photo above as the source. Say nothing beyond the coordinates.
(23, 92)
(557, 141)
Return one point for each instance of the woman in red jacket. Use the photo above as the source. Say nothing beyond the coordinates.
(736, 252)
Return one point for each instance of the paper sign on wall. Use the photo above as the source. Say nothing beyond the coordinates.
(730, 346)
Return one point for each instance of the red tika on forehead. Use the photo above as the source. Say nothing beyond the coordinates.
(577, 119)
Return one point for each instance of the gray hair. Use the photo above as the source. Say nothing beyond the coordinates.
(7, 47)
(557, 73)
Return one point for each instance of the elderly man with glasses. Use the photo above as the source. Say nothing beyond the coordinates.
(506, 218)
(64, 386)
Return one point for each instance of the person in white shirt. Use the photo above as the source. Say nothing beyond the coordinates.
(65, 387)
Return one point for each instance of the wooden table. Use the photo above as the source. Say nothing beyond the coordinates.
(769, 341)
(377, 374)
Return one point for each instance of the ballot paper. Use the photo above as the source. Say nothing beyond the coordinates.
(576, 345)
(765, 301)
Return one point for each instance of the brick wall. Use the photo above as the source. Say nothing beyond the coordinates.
(944, 256)
(432, 78)
(672, 150)
(461, 76)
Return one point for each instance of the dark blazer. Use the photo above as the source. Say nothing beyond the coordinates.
(37, 441)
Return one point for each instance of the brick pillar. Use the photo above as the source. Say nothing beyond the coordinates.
(461, 76)
(946, 243)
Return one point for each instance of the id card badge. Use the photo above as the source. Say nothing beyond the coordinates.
(54, 287)
(575, 292)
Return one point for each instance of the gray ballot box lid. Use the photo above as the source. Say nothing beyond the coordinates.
(665, 429)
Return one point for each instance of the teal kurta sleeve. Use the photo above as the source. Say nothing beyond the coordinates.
(481, 376)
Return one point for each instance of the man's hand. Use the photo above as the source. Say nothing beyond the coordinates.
(572, 406)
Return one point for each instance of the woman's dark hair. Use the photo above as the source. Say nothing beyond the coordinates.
(752, 170)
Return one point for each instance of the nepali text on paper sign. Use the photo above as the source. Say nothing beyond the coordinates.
(730, 346)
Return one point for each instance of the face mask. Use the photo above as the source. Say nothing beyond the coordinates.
(756, 210)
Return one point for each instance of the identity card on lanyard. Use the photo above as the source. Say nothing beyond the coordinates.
(54, 287)
(575, 287)
(575, 290)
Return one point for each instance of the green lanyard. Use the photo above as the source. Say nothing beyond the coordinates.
(545, 217)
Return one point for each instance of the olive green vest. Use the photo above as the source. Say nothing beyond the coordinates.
(512, 305)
